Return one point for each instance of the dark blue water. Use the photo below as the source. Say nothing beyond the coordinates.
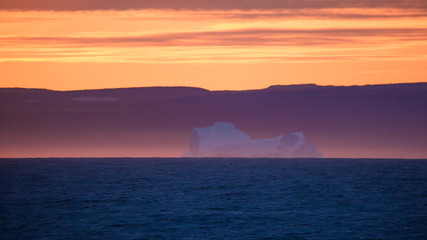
(213, 199)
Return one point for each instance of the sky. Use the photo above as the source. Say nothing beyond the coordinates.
(217, 45)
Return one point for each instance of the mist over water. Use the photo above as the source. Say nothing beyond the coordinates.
(180, 198)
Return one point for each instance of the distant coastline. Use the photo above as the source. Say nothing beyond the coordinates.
(373, 121)
(293, 87)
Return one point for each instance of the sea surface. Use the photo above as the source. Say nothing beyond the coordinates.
(156, 198)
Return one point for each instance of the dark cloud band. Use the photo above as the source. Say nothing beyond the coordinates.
(75, 5)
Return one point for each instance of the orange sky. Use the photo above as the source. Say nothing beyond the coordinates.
(82, 45)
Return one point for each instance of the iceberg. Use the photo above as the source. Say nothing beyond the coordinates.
(223, 139)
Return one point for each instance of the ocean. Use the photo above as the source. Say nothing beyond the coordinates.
(178, 198)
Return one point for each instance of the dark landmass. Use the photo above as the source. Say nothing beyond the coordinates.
(377, 121)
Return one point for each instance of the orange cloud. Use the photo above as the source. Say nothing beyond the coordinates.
(202, 38)
(249, 37)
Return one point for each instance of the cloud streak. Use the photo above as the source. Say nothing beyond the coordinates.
(240, 37)
(323, 14)
(75, 5)
(240, 15)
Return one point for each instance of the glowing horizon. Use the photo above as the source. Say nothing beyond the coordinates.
(218, 46)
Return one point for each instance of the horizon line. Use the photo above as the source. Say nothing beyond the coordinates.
(220, 90)
(231, 158)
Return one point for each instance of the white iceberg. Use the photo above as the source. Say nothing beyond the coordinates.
(225, 140)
